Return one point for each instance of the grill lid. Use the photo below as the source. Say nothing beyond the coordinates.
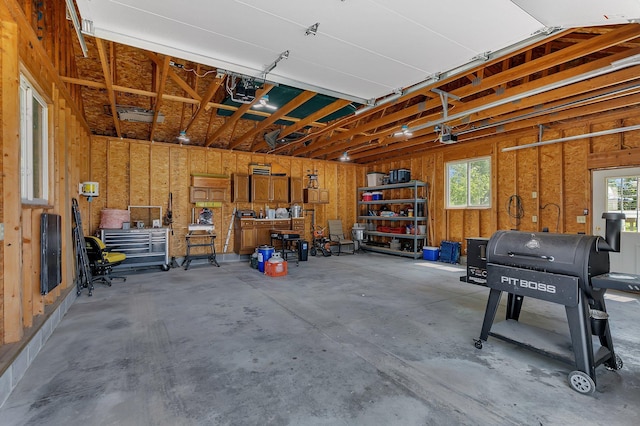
(560, 253)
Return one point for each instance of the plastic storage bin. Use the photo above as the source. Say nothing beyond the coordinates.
(449, 251)
(430, 253)
(374, 178)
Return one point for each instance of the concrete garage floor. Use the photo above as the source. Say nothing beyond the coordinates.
(363, 339)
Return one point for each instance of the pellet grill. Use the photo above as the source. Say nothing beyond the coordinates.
(572, 270)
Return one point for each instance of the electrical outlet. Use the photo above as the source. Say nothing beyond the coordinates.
(582, 219)
(534, 194)
(534, 219)
(1, 231)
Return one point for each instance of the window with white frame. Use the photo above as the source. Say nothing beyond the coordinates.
(469, 183)
(622, 197)
(34, 164)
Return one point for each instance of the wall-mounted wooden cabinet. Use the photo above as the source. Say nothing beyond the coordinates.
(240, 188)
(200, 194)
(316, 196)
(269, 189)
(296, 187)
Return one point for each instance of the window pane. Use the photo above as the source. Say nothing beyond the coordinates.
(34, 158)
(479, 183)
(613, 195)
(622, 196)
(457, 177)
(37, 149)
(469, 183)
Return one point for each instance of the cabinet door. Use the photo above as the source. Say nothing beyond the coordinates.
(217, 194)
(280, 189)
(240, 188)
(323, 196)
(247, 240)
(197, 194)
(295, 190)
(260, 189)
(311, 195)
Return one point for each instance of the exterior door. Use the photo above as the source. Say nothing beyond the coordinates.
(616, 190)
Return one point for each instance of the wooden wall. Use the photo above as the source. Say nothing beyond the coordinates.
(132, 172)
(558, 174)
(23, 51)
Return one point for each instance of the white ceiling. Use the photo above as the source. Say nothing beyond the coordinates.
(363, 49)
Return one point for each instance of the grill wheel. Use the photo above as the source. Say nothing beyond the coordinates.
(582, 383)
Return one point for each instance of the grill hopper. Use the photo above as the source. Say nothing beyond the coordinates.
(572, 270)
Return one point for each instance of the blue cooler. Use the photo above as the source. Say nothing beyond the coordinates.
(430, 253)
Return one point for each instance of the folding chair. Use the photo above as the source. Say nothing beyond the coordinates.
(336, 236)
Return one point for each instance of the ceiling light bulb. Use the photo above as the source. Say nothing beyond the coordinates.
(345, 156)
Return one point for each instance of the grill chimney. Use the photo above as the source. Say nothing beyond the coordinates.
(612, 232)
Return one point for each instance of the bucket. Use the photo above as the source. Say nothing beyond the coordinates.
(296, 211)
(422, 229)
(358, 233)
(598, 322)
(264, 254)
(430, 253)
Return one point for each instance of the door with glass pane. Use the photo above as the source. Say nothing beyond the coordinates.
(617, 191)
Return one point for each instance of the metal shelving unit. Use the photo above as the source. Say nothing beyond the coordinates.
(378, 241)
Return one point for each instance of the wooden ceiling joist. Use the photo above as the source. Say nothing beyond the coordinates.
(211, 91)
(108, 84)
(158, 104)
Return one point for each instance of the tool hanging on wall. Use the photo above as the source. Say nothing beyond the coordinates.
(168, 218)
(226, 242)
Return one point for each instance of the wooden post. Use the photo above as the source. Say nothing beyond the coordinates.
(12, 204)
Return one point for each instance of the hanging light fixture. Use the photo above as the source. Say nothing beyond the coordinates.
(404, 131)
(345, 156)
(264, 103)
(182, 137)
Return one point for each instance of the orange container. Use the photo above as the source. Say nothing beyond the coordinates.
(275, 269)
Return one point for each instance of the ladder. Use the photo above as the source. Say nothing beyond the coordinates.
(84, 278)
